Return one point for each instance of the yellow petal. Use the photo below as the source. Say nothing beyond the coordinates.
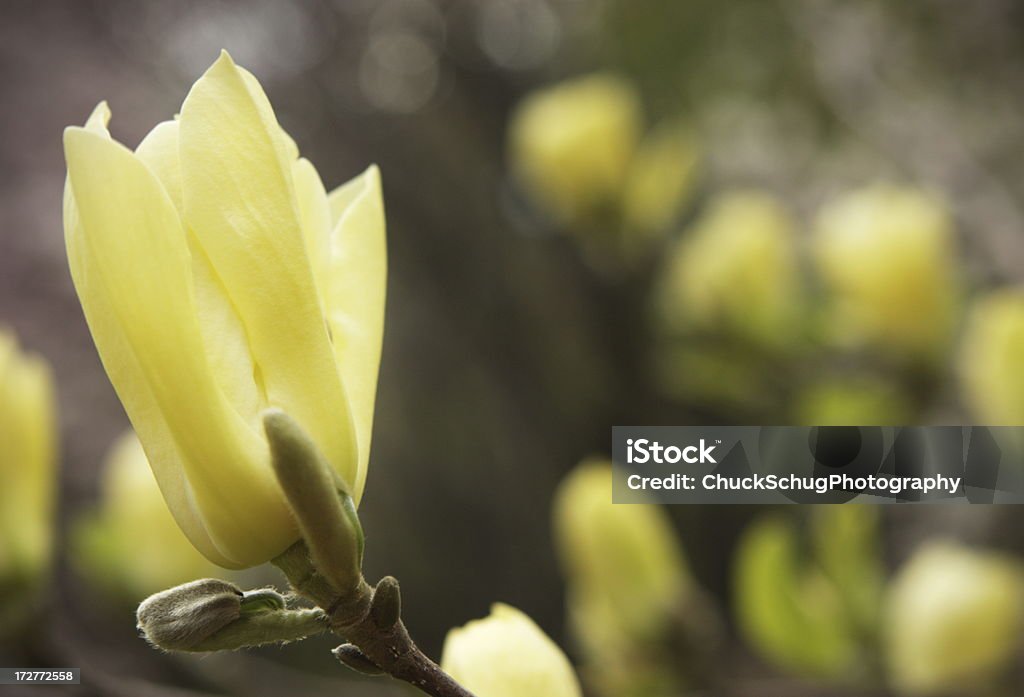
(159, 150)
(240, 202)
(139, 402)
(354, 299)
(223, 334)
(285, 143)
(315, 215)
(124, 370)
(98, 119)
(508, 655)
(132, 269)
(342, 197)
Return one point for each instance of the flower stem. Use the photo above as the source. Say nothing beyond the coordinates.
(378, 633)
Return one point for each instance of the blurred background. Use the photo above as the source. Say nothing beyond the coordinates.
(599, 212)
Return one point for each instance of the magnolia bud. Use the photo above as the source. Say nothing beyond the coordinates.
(953, 619)
(570, 144)
(212, 615)
(992, 358)
(183, 617)
(625, 569)
(508, 655)
(28, 447)
(886, 253)
(734, 271)
(319, 501)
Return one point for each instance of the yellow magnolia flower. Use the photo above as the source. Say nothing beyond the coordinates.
(736, 270)
(992, 358)
(570, 144)
(508, 655)
(625, 570)
(218, 280)
(28, 453)
(887, 255)
(132, 543)
(954, 619)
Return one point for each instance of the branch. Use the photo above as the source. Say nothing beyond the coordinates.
(378, 641)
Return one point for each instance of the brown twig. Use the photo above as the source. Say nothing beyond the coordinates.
(369, 620)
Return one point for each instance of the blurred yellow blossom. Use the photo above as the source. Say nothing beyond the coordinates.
(625, 570)
(954, 619)
(28, 453)
(507, 655)
(242, 286)
(735, 270)
(886, 253)
(570, 144)
(992, 358)
(131, 544)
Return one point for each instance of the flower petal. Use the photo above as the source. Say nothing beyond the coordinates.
(125, 371)
(240, 202)
(223, 334)
(507, 655)
(315, 215)
(159, 150)
(132, 269)
(354, 296)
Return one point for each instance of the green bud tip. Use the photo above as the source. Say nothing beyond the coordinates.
(316, 495)
(261, 600)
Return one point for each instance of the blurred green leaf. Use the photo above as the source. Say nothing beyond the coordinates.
(791, 612)
(845, 539)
